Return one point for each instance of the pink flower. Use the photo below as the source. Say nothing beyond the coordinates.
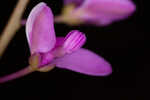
(48, 51)
(99, 12)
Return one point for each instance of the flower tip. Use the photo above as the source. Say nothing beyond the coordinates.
(41, 4)
(73, 41)
(108, 71)
(131, 8)
(105, 71)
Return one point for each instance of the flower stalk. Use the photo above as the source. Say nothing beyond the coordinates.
(16, 75)
(13, 25)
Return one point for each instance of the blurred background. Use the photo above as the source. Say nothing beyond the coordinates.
(124, 44)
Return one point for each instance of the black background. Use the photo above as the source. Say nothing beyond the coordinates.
(124, 44)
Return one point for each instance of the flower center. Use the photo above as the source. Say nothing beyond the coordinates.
(40, 62)
(72, 42)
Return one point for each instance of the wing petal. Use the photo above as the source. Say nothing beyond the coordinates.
(40, 29)
(86, 62)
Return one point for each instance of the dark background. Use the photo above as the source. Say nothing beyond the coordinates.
(124, 44)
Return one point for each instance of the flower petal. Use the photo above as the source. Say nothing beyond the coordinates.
(73, 41)
(84, 61)
(40, 29)
(106, 11)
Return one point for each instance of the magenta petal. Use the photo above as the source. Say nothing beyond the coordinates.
(86, 62)
(40, 29)
(106, 11)
(73, 41)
